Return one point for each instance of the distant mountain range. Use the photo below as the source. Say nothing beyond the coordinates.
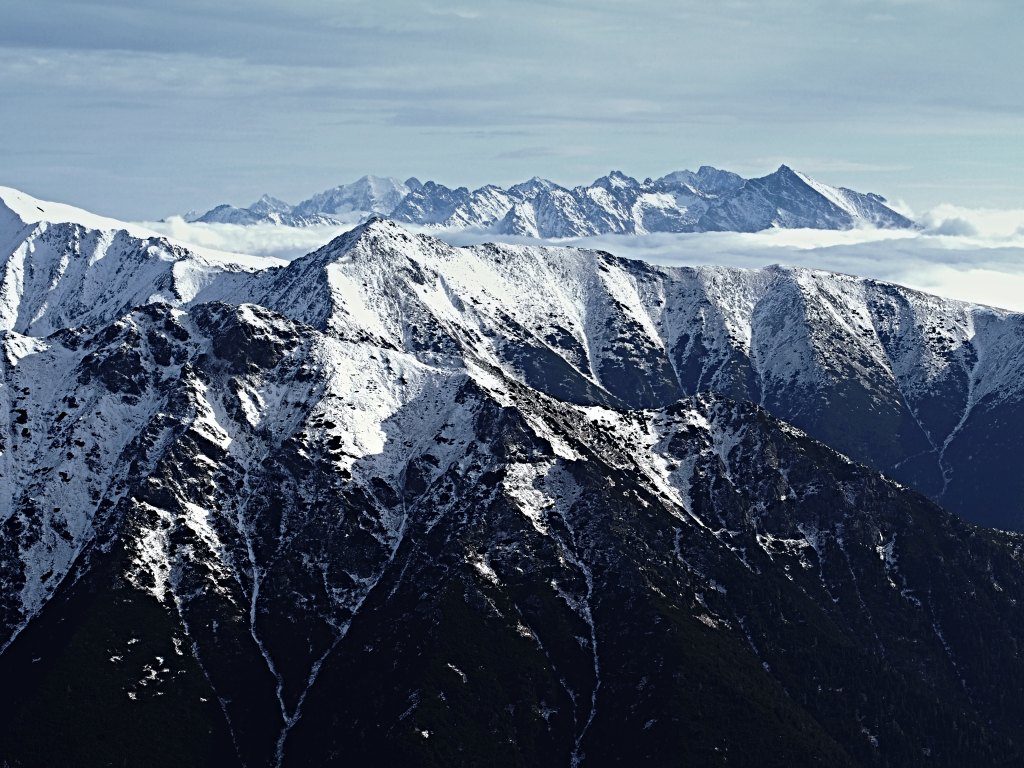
(707, 200)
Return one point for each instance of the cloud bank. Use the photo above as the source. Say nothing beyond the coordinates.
(963, 253)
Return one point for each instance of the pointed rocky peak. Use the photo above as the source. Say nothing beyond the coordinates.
(616, 180)
(785, 176)
(375, 224)
(379, 223)
(269, 204)
(529, 189)
(431, 187)
(271, 200)
(377, 234)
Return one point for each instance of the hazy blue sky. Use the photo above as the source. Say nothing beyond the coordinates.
(139, 108)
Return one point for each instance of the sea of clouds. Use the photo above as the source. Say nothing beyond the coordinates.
(964, 253)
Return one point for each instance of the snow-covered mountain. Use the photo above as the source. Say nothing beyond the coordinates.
(707, 181)
(683, 201)
(789, 199)
(913, 385)
(62, 267)
(438, 206)
(345, 203)
(402, 503)
(925, 389)
(266, 210)
(369, 194)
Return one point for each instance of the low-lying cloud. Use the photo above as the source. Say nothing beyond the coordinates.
(255, 240)
(970, 254)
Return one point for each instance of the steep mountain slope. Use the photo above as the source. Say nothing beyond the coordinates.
(683, 201)
(910, 384)
(249, 542)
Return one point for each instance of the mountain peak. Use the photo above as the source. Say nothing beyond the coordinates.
(615, 178)
(372, 230)
(376, 220)
(268, 198)
(270, 204)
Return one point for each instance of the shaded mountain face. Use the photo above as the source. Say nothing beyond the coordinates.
(708, 181)
(683, 201)
(403, 503)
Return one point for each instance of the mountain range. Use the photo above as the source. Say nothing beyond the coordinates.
(708, 200)
(399, 502)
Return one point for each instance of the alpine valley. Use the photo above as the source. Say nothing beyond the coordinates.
(402, 503)
(708, 200)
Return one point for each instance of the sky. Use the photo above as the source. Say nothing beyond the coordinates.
(143, 108)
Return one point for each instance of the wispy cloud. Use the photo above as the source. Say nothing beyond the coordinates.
(538, 152)
(467, 14)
